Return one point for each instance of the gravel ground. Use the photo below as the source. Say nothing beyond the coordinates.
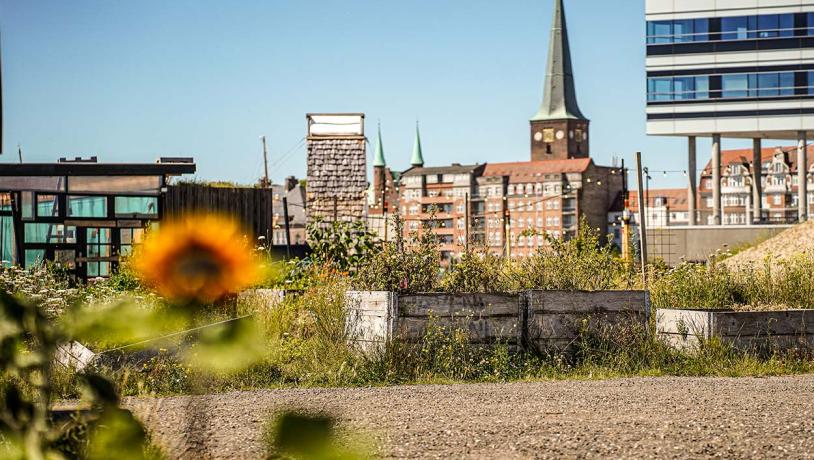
(783, 246)
(621, 418)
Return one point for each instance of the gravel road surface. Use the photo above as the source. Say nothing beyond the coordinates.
(622, 418)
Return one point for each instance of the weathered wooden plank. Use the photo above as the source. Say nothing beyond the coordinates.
(570, 325)
(588, 302)
(476, 305)
(684, 322)
(483, 330)
(761, 323)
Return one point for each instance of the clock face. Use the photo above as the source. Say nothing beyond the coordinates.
(538, 136)
(560, 134)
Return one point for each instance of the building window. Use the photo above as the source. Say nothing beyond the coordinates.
(87, 206)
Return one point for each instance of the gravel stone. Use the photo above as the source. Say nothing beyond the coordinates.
(665, 417)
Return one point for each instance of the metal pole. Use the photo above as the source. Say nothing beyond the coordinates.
(717, 216)
(642, 225)
(692, 184)
(266, 181)
(757, 185)
(802, 177)
(384, 208)
(466, 221)
(287, 229)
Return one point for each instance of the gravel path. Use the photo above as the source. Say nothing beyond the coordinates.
(622, 418)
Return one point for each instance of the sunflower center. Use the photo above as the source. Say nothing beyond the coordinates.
(198, 263)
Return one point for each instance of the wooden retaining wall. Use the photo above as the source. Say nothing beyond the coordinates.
(554, 319)
(538, 320)
(488, 318)
(763, 330)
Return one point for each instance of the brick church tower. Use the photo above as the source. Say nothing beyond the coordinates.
(559, 130)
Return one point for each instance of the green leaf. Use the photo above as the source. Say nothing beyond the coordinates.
(227, 347)
(117, 434)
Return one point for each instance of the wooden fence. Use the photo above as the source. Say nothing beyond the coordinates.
(252, 207)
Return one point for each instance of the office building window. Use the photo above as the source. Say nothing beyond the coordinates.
(735, 86)
(732, 28)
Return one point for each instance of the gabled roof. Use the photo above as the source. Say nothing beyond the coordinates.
(560, 96)
(452, 169)
(744, 156)
(523, 169)
(677, 199)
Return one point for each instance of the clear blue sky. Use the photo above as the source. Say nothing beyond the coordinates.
(132, 81)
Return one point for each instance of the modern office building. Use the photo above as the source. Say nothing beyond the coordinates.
(732, 69)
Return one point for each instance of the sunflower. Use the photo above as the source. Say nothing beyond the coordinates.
(198, 258)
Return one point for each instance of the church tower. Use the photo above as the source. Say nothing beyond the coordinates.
(559, 130)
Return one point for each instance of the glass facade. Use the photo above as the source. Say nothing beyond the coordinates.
(732, 86)
(729, 28)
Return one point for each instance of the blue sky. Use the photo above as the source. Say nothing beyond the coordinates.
(132, 81)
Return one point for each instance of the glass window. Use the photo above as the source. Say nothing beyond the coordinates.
(661, 32)
(683, 30)
(701, 30)
(662, 89)
(735, 28)
(8, 248)
(47, 206)
(34, 257)
(786, 22)
(27, 205)
(702, 87)
(810, 83)
(735, 86)
(65, 257)
(810, 18)
(49, 233)
(98, 247)
(143, 206)
(87, 206)
(786, 81)
(768, 84)
(684, 88)
(767, 26)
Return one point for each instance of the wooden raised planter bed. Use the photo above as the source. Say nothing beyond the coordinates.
(745, 330)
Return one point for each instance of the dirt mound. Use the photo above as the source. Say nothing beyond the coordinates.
(792, 242)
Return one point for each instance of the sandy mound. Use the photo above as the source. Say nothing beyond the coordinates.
(794, 241)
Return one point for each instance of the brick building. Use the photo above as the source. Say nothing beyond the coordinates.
(510, 207)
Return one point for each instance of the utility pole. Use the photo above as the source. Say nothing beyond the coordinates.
(20, 153)
(642, 224)
(266, 182)
(507, 229)
(466, 221)
(287, 229)
(384, 210)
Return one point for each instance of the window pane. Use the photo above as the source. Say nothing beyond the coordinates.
(768, 84)
(663, 89)
(47, 206)
(8, 248)
(767, 25)
(702, 87)
(810, 83)
(87, 206)
(810, 18)
(735, 86)
(684, 88)
(701, 30)
(27, 204)
(786, 24)
(683, 29)
(136, 206)
(49, 233)
(786, 84)
(114, 184)
(662, 32)
(734, 28)
(34, 257)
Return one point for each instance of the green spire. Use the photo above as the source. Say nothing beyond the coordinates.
(560, 98)
(418, 157)
(378, 157)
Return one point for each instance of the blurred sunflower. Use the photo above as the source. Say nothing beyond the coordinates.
(199, 258)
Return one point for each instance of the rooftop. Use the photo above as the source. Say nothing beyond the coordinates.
(533, 168)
